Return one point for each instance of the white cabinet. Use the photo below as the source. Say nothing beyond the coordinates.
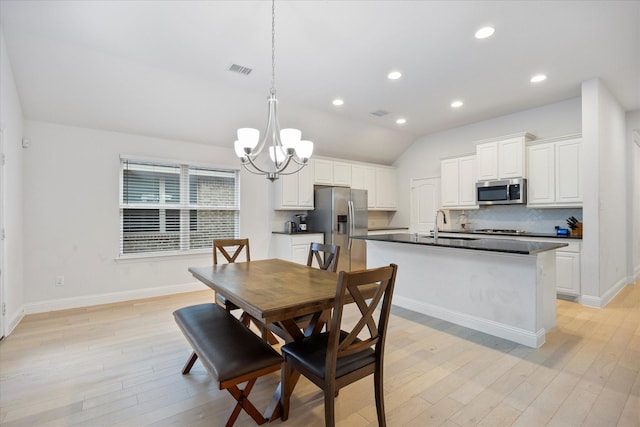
(568, 269)
(554, 173)
(487, 157)
(386, 189)
(503, 158)
(329, 172)
(342, 174)
(458, 182)
(294, 247)
(568, 176)
(294, 191)
(364, 178)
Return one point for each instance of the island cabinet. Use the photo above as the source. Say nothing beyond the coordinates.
(294, 247)
(330, 172)
(458, 181)
(380, 183)
(294, 191)
(503, 158)
(554, 173)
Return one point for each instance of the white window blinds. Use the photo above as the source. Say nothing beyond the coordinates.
(175, 207)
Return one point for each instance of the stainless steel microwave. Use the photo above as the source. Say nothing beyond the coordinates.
(503, 192)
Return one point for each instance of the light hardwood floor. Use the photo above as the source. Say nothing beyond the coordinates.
(119, 365)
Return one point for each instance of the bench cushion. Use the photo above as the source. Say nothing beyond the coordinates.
(226, 348)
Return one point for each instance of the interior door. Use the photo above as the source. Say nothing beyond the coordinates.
(425, 201)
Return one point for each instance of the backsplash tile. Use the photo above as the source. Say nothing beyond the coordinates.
(514, 218)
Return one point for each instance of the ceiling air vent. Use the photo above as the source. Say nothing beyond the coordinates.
(240, 69)
(379, 113)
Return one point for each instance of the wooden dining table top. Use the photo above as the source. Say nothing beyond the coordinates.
(271, 290)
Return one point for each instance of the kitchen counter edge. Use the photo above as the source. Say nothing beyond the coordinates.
(509, 246)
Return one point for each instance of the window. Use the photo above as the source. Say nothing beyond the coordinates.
(175, 207)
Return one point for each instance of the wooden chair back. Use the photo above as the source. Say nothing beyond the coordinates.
(221, 245)
(353, 285)
(351, 354)
(326, 256)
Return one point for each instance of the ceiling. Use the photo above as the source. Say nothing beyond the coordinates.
(160, 68)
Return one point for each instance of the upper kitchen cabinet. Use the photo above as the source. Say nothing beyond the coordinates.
(386, 189)
(380, 183)
(330, 172)
(295, 191)
(554, 173)
(502, 158)
(458, 182)
(364, 178)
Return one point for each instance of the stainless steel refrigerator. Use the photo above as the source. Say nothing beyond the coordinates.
(341, 213)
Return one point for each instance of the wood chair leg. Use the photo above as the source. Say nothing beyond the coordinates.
(187, 366)
(329, 407)
(379, 393)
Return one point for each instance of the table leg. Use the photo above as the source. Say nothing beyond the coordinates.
(293, 333)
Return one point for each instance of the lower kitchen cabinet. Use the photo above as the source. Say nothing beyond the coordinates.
(294, 247)
(568, 269)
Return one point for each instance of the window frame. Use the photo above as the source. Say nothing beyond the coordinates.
(184, 206)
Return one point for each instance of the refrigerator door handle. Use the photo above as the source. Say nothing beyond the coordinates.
(351, 222)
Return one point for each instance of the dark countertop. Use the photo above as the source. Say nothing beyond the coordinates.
(509, 246)
(295, 233)
(387, 228)
(524, 234)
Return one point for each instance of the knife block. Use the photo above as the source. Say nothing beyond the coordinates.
(577, 232)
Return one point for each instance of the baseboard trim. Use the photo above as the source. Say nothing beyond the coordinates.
(518, 335)
(108, 298)
(602, 301)
(13, 321)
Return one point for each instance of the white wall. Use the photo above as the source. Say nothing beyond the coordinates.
(72, 217)
(12, 188)
(422, 158)
(606, 179)
(633, 227)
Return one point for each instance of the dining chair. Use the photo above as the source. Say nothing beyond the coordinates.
(237, 246)
(231, 249)
(326, 256)
(334, 359)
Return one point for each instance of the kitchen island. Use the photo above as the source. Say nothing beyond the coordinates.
(502, 287)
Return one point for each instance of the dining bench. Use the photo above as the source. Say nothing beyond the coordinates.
(229, 351)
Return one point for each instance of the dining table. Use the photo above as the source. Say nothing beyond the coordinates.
(275, 292)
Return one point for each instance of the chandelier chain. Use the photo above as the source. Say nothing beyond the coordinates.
(273, 47)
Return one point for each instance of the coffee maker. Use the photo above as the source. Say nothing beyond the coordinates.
(301, 222)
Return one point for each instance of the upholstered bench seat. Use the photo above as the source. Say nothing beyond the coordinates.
(230, 352)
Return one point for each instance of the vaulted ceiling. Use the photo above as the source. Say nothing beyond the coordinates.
(160, 68)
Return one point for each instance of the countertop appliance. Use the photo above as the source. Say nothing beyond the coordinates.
(341, 213)
(503, 192)
(301, 220)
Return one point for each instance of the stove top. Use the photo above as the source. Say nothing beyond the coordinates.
(499, 231)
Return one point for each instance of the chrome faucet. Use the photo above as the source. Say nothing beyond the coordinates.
(435, 225)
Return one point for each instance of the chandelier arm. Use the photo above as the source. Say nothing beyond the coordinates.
(301, 165)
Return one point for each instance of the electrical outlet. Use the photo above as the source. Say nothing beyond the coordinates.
(59, 280)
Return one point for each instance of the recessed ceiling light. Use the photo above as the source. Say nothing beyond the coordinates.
(539, 78)
(485, 32)
(394, 75)
(457, 104)
(401, 121)
(337, 102)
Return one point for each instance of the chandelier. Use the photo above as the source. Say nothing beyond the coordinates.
(284, 145)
